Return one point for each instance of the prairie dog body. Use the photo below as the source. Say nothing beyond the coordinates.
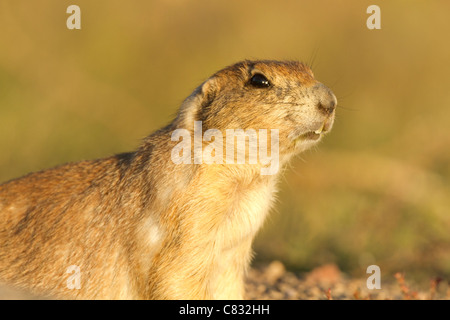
(139, 225)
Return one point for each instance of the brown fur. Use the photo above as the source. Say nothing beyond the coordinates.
(142, 227)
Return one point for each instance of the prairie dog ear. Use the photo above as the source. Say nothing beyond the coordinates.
(191, 108)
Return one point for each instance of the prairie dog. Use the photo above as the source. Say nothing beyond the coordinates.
(140, 225)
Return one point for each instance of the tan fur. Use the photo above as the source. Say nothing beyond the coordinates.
(140, 226)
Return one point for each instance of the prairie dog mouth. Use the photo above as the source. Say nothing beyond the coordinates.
(312, 135)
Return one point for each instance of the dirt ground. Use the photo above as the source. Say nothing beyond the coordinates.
(273, 282)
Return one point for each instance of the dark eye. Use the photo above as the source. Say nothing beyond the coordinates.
(260, 81)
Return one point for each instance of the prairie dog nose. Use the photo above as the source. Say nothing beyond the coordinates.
(326, 100)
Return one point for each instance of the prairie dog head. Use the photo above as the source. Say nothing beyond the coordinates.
(264, 95)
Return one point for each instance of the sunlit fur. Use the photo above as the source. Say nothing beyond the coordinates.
(142, 227)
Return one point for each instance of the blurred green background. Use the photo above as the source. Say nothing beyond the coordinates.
(375, 191)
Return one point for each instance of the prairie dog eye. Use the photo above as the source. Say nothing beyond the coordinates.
(259, 81)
